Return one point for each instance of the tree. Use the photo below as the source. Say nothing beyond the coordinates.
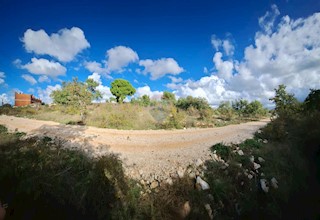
(255, 108)
(240, 106)
(168, 97)
(121, 88)
(195, 102)
(312, 102)
(286, 104)
(77, 95)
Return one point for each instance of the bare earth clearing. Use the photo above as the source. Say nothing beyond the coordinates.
(145, 153)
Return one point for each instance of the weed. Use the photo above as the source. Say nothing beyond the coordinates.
(222, 150)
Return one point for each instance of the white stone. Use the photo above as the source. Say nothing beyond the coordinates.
(204, 185)
(192, 175)
(256, 165)
(240, 152)
(261, 160)
(169, 181)
(265, 141)
(209, 210)
(264, 187)
(180, 173)
(250, 176)
(252, 159)
(274, 183)
(199, 162)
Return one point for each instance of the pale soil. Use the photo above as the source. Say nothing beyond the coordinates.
(148, 152)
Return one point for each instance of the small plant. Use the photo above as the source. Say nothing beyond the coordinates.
(251, 144)
(222, 150)
(3, 129)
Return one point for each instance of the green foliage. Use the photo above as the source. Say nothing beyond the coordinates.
(312, 102)
(251, 144)
(176, 119)
(168, 97)
(226, 111)
(286, 104)
(76, 95)
(117, 120)
(246, 109)
(42, 180)
(195, 102)
(222, 150)
(240, 106)
(3, 129)
(256, 109)
(121, 88)
(143, 101)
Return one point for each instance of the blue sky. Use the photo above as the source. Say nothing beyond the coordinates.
(219, 50)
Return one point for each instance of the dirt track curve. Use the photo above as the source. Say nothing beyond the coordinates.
(147, 151)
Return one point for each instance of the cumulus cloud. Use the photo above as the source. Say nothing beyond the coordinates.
(161, 67)
(44, 78)
(288, 55)
(224, 68)
(4, 99)
(64, 45)
(29, 79)
(120, 57)
(225, 44)
(266, 22)
(44, 94)
(2, 76)
(45, 67)
(94, 66)
(104, 90)
(146, 90)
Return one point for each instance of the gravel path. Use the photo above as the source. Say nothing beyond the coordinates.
(144, 152)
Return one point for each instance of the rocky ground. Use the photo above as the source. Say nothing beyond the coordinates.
(150, 156)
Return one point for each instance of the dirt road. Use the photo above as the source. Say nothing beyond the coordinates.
(147, 151)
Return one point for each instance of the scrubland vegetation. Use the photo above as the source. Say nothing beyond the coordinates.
(72, 105)
(41, 180)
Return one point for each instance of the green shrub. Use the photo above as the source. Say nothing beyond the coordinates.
(195, 102)
(222, 150)
(42, 182)
(3, 129)
(251, 144)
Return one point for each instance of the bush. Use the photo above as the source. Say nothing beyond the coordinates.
(222, 150)
(176, 119)
(3, 129)
(44, 181)
(189, 101)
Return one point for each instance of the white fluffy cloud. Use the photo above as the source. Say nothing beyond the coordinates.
(64, 45)
(288, 55)
(29, 79)
(104, 90)
(2, 76)
(224, 68)
(120, 57)
(45, 67)
(266, 22)
(94, 66)
(117, 58)
(44, 78)
(161, 67)
(44, 94)
(225, 44)
(4, 99)
(146, 90)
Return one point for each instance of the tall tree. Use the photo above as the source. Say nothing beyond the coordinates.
(121, 88)
(286, 104)
(77, 95)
